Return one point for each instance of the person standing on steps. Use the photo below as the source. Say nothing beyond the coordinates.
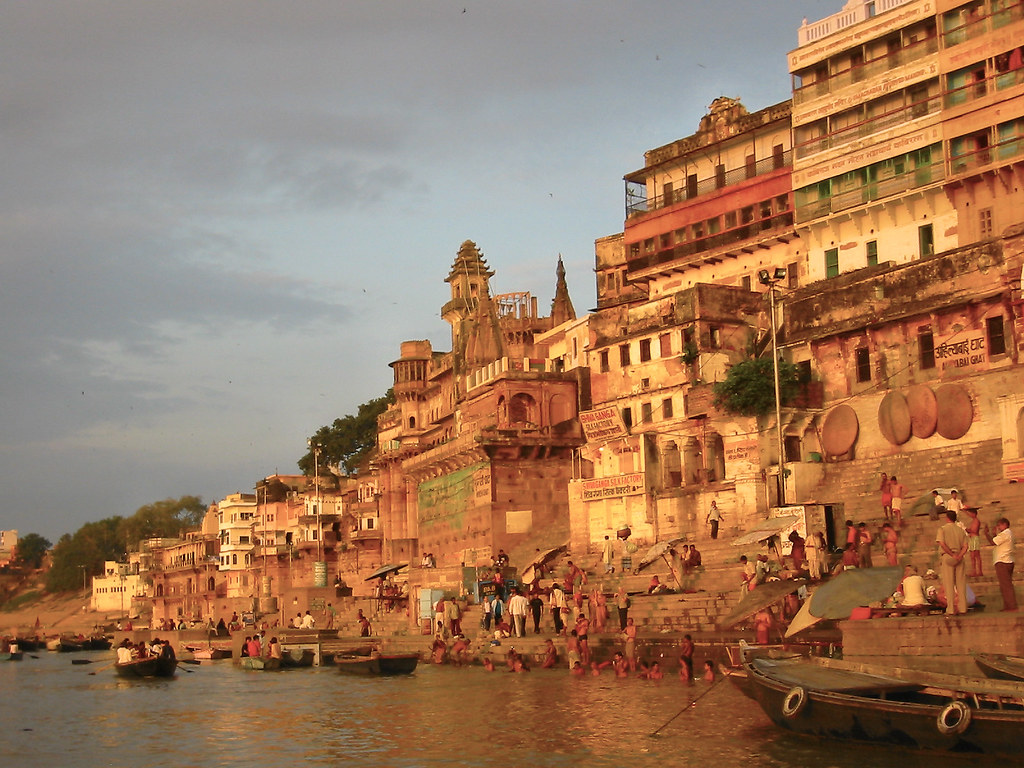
(1002, 560)
(973, 527)
(952, 541)
(622, 604)
(897, 491)
(713, 519)
(608, 555)
(885, 488)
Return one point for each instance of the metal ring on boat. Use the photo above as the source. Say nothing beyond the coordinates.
(954, 718)
(794, 702)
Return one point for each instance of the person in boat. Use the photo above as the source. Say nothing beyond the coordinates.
(124, 652)
(253, 644)
(245, 646)
(274, 648)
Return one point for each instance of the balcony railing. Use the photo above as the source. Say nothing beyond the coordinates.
(693, 251)
(980, 24)
(876, 190)
(857, 74)
(870, 126)
(636, 192)
(979, 158)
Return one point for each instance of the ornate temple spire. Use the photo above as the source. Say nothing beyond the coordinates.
(561, 306)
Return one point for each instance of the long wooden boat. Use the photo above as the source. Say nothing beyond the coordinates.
(296, 657)
(208, 653)
(152, 666)
(920, 710)
(259, 663)
(378, 664)
(1000, 667)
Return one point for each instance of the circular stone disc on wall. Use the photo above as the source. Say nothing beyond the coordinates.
(954, 411)
(839, 432)
(923, 410)
(894, 418)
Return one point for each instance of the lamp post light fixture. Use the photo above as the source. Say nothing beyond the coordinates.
(771, 279)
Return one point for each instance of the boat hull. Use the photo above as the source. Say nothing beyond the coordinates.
(384, 664)
(259, 663)
(158, 666)
(911, 724)
(1000, 667)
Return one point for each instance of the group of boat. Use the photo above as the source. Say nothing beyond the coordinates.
(836, 699)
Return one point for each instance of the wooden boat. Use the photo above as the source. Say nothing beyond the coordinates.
(909, 708)
(999, 666)
(294, 658)
(378, 664)
(259, 663)
(152, 666)
(208, 653)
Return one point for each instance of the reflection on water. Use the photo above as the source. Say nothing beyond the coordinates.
(56, 714)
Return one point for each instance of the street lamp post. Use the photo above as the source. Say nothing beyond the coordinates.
(771, 279)
(316, 482)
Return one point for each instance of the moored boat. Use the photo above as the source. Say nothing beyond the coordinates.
(11, 655)
(260, 663)
(149, 667)
(916, 709)
(378, 664)
(297, 657)
(1000, 666)
(207, 653)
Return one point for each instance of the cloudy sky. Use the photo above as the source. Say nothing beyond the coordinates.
(218, 220)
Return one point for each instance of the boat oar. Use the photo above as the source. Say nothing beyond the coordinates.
(82, 661)
(105, 666)
(182, 661)
(190, 661)
(690, 705)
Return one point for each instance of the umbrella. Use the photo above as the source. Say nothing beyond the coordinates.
(658, 550)
(384, 570)
(762, 596)
(850, 589)
(541, 558)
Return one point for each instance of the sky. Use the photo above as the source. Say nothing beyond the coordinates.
(219, 220)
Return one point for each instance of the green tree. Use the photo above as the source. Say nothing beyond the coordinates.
(89, 546)
(168, 518)
(347, 442)
(30, 550)
(749, 387)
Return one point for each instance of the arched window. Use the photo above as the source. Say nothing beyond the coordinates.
(521, 409)
(234, 559)
(211, 585)
(716, 458)
(159, 590)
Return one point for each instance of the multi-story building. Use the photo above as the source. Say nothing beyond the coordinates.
(235, 519)
(679, 302)
(185, 574)
(868, 168)
(8, 543)
(475, 454)
(117, 589)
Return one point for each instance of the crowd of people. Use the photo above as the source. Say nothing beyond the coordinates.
(128, 651)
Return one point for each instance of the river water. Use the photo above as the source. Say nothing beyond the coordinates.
(53, 713)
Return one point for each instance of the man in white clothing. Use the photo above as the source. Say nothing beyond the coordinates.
(518, 607)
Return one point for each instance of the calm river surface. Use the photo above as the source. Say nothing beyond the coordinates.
(53, 713)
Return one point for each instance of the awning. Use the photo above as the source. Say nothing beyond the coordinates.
(762, 596)
(766, 529)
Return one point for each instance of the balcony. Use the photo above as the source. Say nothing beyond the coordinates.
(863, 72)
(694, 253)
(637, 202)
(979, 159)
(846, 134)
(864, 193)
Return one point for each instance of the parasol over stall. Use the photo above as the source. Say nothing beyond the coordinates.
(762, 596)
(662, 550)
(531, 572)
(384, 570)
(851, 589)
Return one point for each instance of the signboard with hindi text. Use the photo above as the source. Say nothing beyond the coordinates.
(610, 487)
(961, 351)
